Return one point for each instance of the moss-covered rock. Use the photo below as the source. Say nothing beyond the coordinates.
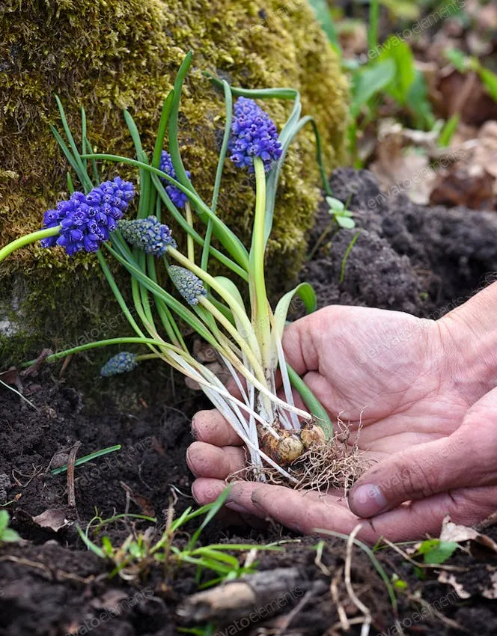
(116, 54)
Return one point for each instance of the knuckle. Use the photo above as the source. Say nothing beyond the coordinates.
(418, 481)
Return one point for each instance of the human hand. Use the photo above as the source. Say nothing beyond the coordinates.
(429, 422)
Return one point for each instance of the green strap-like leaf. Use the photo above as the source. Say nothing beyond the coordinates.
(308, 296)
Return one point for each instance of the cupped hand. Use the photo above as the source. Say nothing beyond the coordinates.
(427, 418)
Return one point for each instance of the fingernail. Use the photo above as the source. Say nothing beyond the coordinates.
(256, 499)
(189, 459)
(367, 500)
(194, 494)
(193, 428)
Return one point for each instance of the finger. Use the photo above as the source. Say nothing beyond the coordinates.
(211, 427)
(299, 342)
(468, 457)
(467, 506)
(205, 460)
(240, 499)
(311, 512)
(413, 474)
(205, 491)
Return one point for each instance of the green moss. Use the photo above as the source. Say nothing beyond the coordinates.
(115, 54)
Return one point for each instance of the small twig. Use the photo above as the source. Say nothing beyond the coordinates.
(53, 574)
(71, 497)
(30, 478)
(447, 621)
(129, 493)
(342, 615)
(487, 523)
(348, 584)
(65, 364)
(286, 622)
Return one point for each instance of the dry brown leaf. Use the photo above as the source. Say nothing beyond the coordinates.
(485, 153)
(142, 502)
(453, 532)
(12, 378)
(450, 579)
(465, 93)
(54, 518)
(462, 185)
(401, 172)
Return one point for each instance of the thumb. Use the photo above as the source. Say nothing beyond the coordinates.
(467, 458)
(417, 473)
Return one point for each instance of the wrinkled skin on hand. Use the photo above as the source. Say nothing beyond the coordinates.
(429, 417)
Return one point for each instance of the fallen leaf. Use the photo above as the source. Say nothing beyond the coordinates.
(54, 518)
(450, 579)
(466, 94)
(12, 378)
(203, 351)
(460, 185)
(485, 153)
(460, 534)
(400, 170)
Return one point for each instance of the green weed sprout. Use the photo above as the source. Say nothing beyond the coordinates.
(142, 550)
(7, 535)
(247, 339)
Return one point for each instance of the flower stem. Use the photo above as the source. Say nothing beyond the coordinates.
(259, 373)
(96, 345)
(226, 296)
(27, 240)
(261, 315)
(189, 237)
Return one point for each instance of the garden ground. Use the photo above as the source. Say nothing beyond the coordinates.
(423, 260)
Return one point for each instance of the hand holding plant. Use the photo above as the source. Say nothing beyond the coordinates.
(422, 392)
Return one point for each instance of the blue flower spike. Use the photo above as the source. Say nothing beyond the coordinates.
(178, 197)
(253, 134)
(148, 235)
(188, 285)
(87, 220)
(121, 363)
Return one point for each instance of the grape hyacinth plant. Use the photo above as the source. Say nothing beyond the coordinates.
(232, 312)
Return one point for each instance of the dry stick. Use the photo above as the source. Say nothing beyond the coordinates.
(54, 574)
(487, 523)
(71, 497)
(342, 615)
(298, 608)
(441, 617)
(348, 584)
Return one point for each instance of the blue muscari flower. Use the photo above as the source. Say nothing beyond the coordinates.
(166, 165)
(253, 134)
(121, 363)
(147, 234)
(87, 220)
(188, 285)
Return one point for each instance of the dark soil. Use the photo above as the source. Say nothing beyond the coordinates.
(422, 260)
(406, 258)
